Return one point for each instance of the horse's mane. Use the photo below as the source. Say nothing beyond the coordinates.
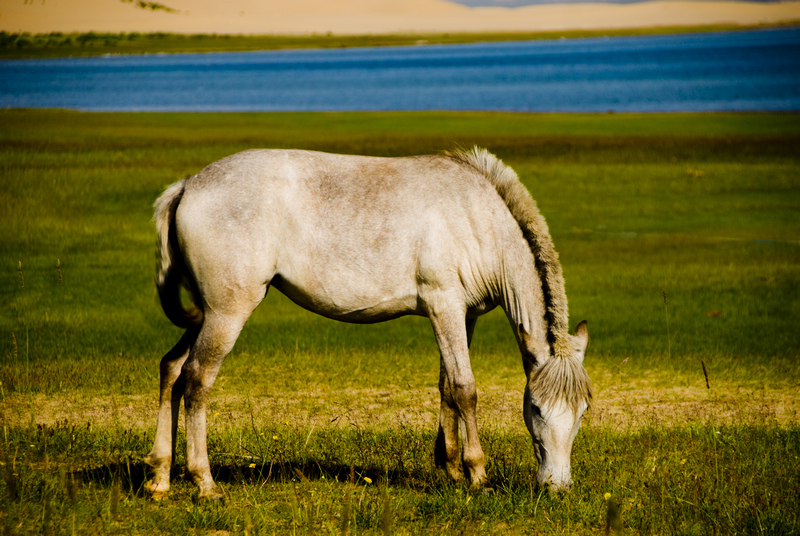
(564, 377)
(524, 210)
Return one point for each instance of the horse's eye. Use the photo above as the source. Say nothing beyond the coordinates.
(536, 412)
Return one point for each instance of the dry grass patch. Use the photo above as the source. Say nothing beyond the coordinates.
(392, 408)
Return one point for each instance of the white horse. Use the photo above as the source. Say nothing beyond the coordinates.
(363, 240)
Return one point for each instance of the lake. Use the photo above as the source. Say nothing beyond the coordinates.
(747, 70)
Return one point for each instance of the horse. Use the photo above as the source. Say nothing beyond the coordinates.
(367, 239)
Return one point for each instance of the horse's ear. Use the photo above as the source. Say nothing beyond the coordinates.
(582, 338)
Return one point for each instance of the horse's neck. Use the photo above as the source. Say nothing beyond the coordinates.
(523, 299)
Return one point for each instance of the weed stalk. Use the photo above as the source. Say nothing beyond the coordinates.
(666, 316)
(613, 517)
(346, 507)
(12, 480)
(295, 510)
(47, 515)
(386, 515)
(705, 373)
(72, 491)
(248, 524)
(5, 426)
(28, 379)
(114, 500)
(347, 503)
(130, 476)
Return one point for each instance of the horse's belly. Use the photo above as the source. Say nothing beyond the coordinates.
(361, 303)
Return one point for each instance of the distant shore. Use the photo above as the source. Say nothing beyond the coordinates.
(32, 46)
(374, 17)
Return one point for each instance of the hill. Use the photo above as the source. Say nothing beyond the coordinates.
(345, 17)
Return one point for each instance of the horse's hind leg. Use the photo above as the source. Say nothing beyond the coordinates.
(216, 339)
(171, 390)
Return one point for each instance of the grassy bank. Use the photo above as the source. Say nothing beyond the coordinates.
(679, 240)
(25, 45)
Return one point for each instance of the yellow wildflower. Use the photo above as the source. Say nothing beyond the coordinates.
(368, 480)
(606, 495)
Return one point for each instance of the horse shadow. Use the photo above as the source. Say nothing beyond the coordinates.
(130, 476)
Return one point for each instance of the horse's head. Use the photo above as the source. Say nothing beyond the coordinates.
(556, 396)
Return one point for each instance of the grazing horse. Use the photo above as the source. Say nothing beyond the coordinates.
(363, 240)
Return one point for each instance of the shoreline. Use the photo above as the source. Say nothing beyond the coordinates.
(58, 45)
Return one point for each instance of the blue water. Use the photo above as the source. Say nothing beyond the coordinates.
(753, 70)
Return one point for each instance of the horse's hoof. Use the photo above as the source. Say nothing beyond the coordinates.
(456, 477)
(158, 495)
(478, 482)
(218, 500)
(481, 487)
(212, 496)
(156, 492)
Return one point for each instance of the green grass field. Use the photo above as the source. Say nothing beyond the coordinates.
(680, 241)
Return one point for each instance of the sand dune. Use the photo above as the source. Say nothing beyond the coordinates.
(371, 16)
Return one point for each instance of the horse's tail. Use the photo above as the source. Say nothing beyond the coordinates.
(171, 270)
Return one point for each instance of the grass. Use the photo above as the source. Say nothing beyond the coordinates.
(284, 479)
(700, 207)
(25, 45)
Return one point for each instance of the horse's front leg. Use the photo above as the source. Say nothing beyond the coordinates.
(171, 388)
(459, 398)
(447, 449)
